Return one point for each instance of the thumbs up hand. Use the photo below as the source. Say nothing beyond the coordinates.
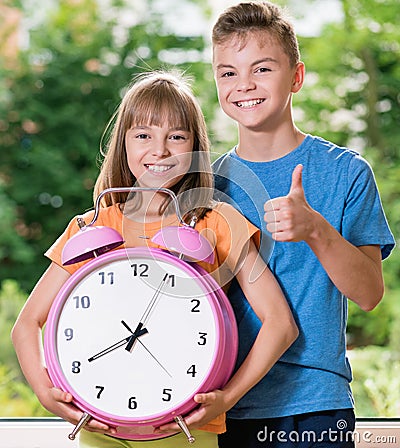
(290, 218)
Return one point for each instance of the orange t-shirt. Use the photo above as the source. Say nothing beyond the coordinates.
(224, 227)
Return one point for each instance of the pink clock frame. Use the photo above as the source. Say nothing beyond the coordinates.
(217, 376)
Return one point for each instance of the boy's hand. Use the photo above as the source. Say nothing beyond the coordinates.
(290, 218)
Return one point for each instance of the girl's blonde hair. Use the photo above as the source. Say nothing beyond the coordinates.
(260, 19)
(154, 99)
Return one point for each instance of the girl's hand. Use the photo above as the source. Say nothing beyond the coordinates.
(60, 403)
(212, 404)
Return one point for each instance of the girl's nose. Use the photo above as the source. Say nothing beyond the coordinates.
(160, 149)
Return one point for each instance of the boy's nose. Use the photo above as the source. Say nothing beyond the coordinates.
(245, 83)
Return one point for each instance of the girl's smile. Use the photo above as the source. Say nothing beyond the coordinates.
(158, 156)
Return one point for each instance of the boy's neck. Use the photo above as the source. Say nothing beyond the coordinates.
(265, 146)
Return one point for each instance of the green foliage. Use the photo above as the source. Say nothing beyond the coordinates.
(17, 398)
(57, 102)
(63, 88)
(376, 383)
(11, 301)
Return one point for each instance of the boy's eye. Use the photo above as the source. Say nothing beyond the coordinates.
(227, 74)
(263, 70)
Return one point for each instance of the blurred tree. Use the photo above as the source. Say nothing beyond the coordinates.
(56, 103)
(351, 97)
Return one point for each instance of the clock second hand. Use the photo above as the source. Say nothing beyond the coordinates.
(145, 315)
(147, 350)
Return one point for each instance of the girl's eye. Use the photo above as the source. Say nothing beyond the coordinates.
(142, 136)
(177, 137)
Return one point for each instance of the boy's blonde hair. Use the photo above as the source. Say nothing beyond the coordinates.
(245, 20)
(154, 99)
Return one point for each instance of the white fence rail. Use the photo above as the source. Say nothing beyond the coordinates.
(53, 433)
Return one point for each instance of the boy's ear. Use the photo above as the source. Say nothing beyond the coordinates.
(298, 77)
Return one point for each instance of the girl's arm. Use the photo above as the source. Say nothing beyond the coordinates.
(278, 331)
(26, 336)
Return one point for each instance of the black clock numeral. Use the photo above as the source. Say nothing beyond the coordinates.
(76, 367)
(192, 370)
(82, 302)
(171, 280)
(202, 338)
(69, 333)
(100, 391)
(106, 278)
(196, 306)
(132, 403)
(167, 395)
(140, 270)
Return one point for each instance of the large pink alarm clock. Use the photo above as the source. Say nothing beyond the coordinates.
(135, 333)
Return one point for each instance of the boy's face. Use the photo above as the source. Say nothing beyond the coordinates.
(255, 82)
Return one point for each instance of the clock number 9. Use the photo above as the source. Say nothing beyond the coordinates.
(69, 333)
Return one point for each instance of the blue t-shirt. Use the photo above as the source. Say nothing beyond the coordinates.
(314, 374)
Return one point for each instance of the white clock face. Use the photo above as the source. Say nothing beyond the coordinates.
(136, 337)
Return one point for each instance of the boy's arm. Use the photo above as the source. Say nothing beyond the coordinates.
(27, 339)
(355, 271)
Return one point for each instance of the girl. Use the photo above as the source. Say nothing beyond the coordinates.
(158, 140)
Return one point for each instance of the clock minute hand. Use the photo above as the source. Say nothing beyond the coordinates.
(146, 315)
(137, 333)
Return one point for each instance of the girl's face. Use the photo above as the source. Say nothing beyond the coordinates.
(158, 156)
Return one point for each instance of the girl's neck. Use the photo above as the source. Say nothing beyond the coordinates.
(146, 208)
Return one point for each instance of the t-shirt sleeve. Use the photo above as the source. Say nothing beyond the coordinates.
(364, 221)
(230, 233)
(54, 253)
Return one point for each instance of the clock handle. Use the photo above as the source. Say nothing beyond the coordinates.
(82, 422)
(178, 419)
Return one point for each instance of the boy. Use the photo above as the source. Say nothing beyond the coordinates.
(327, 227)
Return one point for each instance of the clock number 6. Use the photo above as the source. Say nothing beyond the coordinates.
(132, 403)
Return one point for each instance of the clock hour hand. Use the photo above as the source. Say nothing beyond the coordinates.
(145, 315)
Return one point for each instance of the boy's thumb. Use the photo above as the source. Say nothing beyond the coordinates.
(297, 180)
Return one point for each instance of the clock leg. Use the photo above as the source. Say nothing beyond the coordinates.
(178, 419)
(82, 422)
